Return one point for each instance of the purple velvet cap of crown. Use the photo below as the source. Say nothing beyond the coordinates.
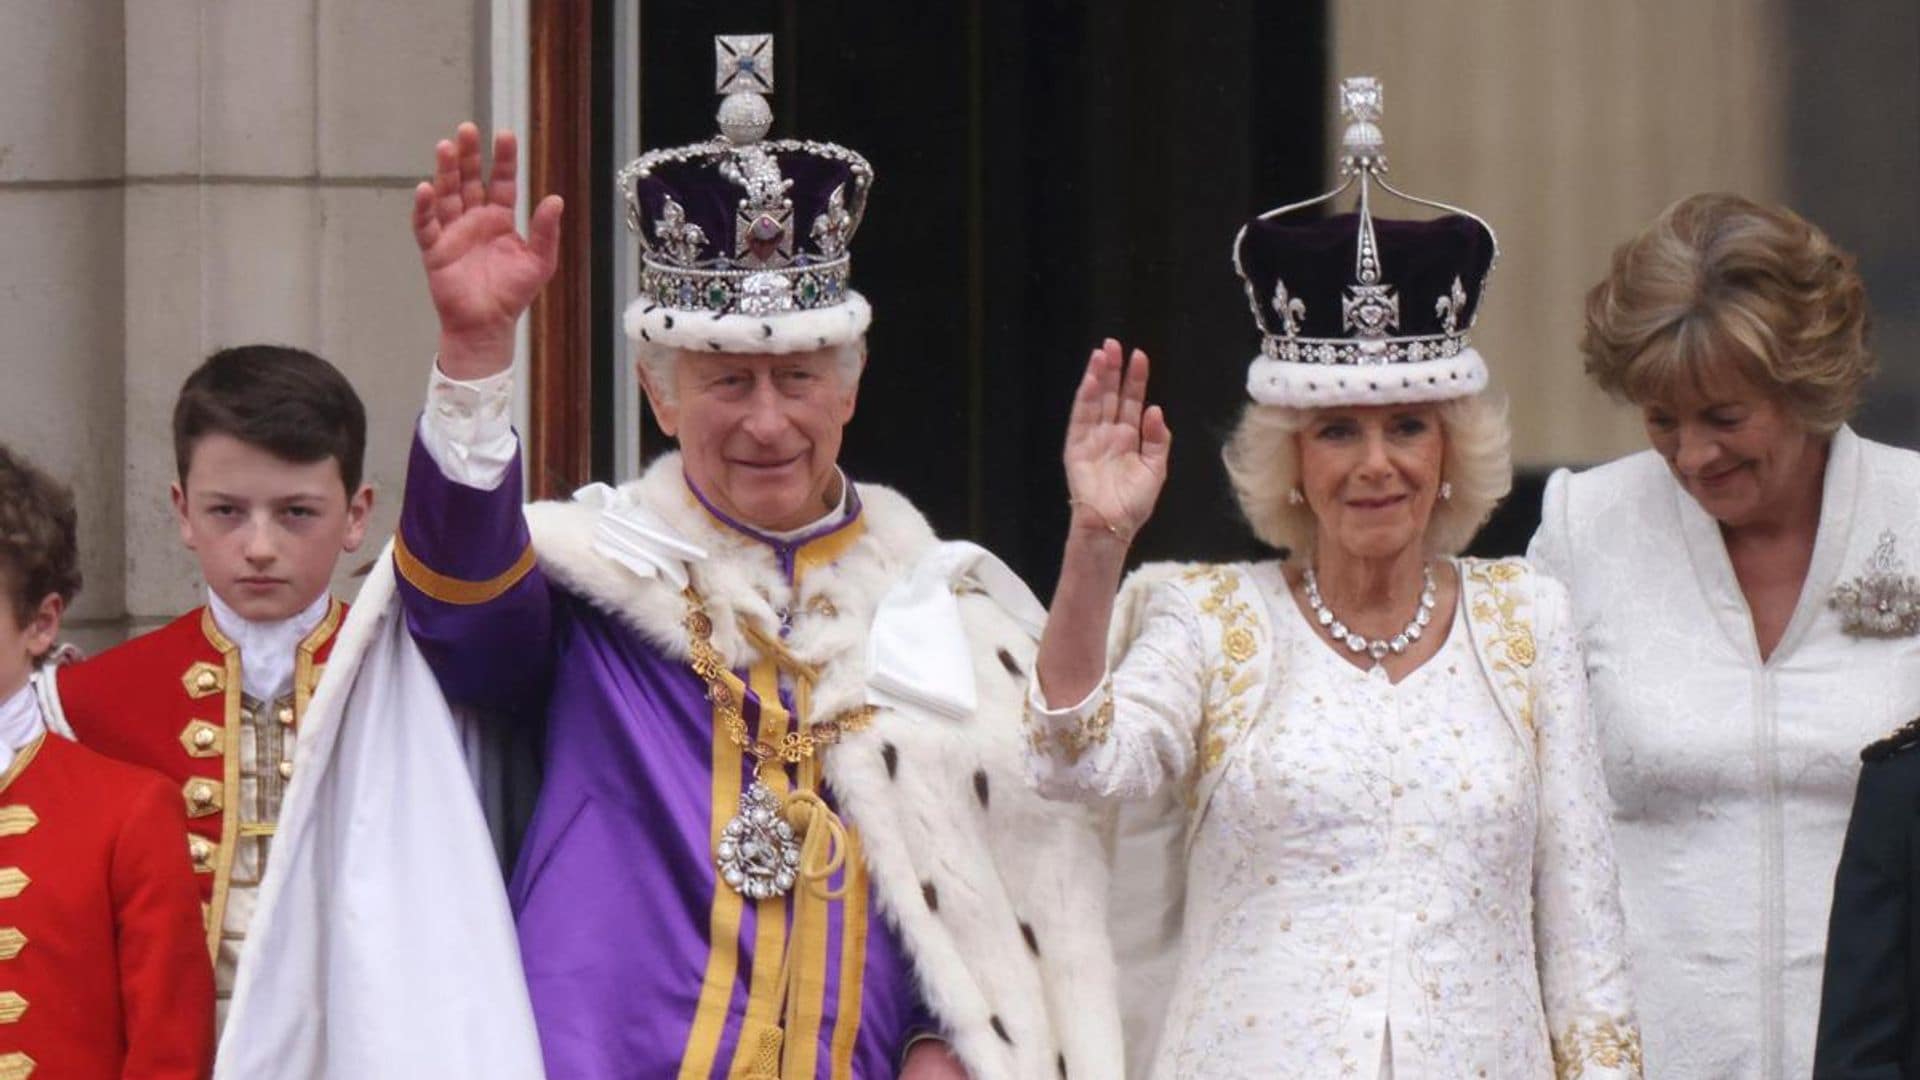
(711, 201)
(1315, 259)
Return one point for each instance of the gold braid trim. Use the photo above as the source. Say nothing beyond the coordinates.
(1607, 1044)
(795, 746)
(453, 590)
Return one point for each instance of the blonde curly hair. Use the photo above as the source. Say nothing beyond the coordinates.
(1263, 461)
(1719, 281)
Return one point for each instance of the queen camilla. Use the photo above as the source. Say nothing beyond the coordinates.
(1395, 852)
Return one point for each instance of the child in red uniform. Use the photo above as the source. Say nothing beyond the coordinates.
(268, 443)
(101, 969)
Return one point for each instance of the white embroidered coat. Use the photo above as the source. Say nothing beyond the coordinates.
(1424, 863)
(1731, 777)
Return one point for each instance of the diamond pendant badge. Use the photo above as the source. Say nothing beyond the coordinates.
(759, 853)
(1884, 600)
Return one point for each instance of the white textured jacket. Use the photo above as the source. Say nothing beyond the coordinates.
(1731, 777)
(1418, 872)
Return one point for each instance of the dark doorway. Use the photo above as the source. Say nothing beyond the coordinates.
(1047, 174)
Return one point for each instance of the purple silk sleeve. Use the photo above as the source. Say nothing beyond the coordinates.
(488, 636)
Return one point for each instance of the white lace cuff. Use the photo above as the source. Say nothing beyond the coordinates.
(467, 428)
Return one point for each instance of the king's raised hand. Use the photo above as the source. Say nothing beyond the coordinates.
(481, 273)
(1117, 446)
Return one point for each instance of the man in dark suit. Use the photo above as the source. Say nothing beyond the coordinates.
(1867, 1029)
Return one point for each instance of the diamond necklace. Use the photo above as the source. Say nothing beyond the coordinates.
(1377, 648)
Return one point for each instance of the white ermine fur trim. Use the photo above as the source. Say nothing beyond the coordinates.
(1318, 386)
(998, 895)
(786, 332)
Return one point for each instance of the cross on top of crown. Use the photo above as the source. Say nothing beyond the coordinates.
(743, 64)
(1360, 99)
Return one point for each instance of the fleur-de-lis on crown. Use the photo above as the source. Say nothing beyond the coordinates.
(1450, 306)
(681, 238)
(831, 227)
(1290, 309)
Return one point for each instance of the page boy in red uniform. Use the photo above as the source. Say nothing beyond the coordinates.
(268, 444)
(101, 970)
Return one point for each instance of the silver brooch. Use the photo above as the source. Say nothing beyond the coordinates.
(759, 854)
(1884, 601)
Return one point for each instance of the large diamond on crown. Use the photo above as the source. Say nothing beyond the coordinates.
(765, 294)
(1370, 311)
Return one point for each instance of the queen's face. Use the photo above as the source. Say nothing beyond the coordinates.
(1733, 447)
(1370, 475)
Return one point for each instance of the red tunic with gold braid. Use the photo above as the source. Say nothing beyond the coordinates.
(172, 701)
(102, 973)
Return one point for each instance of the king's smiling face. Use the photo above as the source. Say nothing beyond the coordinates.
(759, 434)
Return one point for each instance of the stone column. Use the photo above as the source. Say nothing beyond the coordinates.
(271, 151)
(61, 273)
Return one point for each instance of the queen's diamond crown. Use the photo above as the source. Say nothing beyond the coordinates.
(1355, 289)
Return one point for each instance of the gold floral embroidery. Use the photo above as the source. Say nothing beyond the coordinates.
(1607, 1044)
(1502, 571)
(1224, 716)
(1510, 646)
(1239, 644)
(1089, 731)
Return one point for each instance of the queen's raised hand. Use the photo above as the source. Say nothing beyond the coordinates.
(1116, 458)
(481, 273)
(1117, 445)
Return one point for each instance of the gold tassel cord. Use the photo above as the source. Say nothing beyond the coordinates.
(820, 828)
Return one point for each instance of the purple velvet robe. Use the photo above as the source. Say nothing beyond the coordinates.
(614, 892)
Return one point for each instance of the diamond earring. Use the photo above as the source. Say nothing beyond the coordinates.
(1446, 490)
(1294, 498)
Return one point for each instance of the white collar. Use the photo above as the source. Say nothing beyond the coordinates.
(267, 648)
(20, 723)
(831, 517)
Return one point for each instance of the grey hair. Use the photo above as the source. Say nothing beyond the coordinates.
(658, 362)
(1263, 461)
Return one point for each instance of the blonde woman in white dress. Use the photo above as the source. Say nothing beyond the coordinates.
(1742, 590)
(1395, 859)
